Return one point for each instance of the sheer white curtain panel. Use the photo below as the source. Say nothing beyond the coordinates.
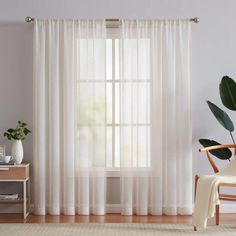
(69, 120)
(155, 107)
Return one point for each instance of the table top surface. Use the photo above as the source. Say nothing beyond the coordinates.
(15, 166)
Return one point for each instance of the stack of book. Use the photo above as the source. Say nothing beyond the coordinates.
(9, 196)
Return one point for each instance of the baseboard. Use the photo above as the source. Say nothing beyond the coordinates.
(224, 208)
(113, 208)
(110, 208)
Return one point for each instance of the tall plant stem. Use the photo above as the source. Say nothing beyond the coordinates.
(232, 137)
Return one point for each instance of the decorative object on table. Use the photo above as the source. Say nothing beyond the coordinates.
(18, 134)
(2, 152)
(227, 89)
(10, 163)
(6, 159)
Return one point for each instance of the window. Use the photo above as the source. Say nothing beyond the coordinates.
(113, 106)
(114, 102)
(139, 128)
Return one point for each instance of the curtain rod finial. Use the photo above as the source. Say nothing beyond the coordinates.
(29, 19)
(195, 19)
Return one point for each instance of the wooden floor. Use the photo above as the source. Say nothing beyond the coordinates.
(109, 218)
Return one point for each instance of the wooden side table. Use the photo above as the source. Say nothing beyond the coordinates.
(17, 173)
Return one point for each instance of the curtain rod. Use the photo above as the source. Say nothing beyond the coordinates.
(30, 19)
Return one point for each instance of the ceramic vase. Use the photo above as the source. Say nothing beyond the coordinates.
(17, 151)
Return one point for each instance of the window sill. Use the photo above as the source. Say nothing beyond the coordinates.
(113, 173)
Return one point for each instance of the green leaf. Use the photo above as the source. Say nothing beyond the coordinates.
(28, 130)
(223, 154)
(221, 116)
(228, 92)
(20, 132)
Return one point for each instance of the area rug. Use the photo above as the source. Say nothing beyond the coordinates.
(111, 229)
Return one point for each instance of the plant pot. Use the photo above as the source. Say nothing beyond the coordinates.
(17, 151)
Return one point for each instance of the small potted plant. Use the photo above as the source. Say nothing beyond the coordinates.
(18, 134)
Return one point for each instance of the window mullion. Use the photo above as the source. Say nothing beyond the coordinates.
(113, 103)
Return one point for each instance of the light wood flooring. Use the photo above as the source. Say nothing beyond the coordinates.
(110, 218)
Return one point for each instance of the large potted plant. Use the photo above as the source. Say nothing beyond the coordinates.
(18, 134)
(227, 89)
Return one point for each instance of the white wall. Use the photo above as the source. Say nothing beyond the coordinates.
(213, 55)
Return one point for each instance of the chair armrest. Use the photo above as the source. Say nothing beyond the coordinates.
(205, 149)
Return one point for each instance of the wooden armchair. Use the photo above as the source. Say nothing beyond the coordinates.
(225, 197)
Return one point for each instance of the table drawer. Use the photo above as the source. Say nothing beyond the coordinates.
(14, 172)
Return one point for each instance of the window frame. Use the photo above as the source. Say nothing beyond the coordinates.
(113, 33)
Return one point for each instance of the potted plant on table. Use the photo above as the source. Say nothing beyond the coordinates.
(18, 134)
(227, 89)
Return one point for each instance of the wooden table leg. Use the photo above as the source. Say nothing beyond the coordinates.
(24, 198)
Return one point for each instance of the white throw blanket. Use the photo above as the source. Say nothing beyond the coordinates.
(207, 193)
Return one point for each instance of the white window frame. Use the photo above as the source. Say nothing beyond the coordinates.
(114, 33)
(113, 171)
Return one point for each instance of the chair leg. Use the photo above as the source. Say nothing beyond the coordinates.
(217, 214)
